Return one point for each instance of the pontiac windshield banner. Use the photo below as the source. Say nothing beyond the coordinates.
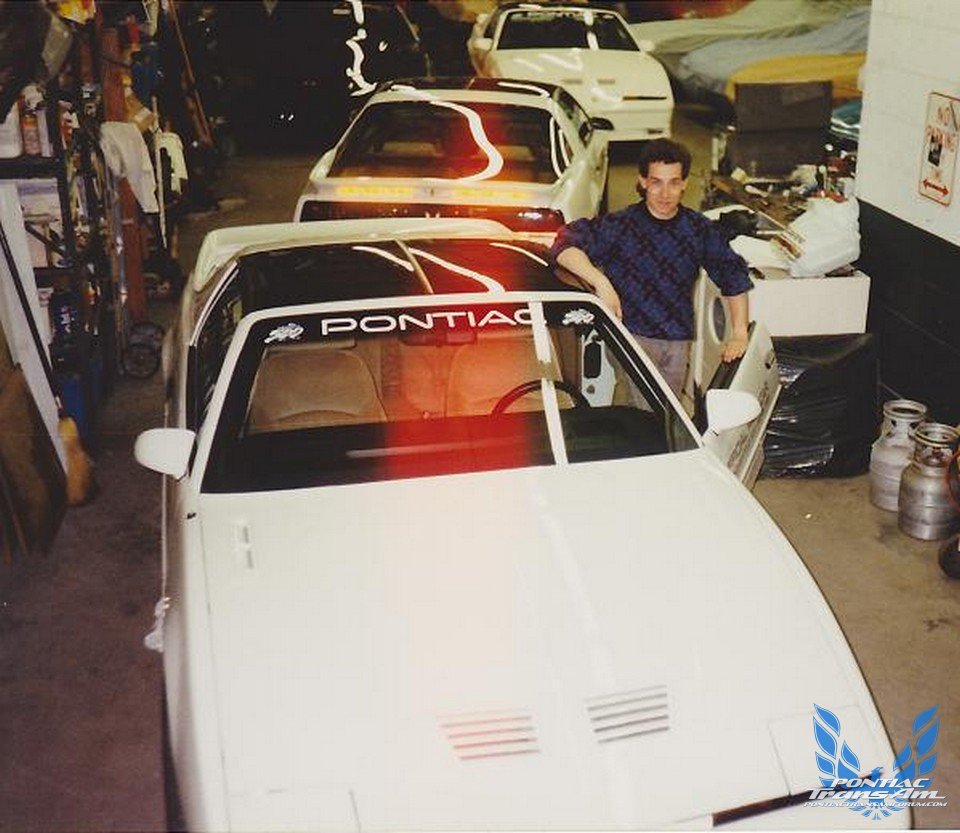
(874, 795)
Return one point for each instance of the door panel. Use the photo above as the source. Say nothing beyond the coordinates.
(756, 372)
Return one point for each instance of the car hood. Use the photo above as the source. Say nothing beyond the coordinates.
(597, 78)
(551, 648)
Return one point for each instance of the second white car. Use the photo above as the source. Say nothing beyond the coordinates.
(521, 153)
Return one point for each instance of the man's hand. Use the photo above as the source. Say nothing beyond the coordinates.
(606, 293)
(739, 311)
(576, 262)
(734, 348)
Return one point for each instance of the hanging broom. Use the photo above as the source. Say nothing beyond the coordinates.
(81, 485)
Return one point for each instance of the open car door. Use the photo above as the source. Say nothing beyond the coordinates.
(756, 372)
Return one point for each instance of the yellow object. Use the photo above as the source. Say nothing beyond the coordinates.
(842, 70)
(81, 485)
(79, 11)
(395, 192)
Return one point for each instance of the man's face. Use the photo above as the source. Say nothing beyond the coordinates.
(664, 184)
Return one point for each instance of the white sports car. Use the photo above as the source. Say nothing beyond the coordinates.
(589, 51)
(442, 551)
(523, 154)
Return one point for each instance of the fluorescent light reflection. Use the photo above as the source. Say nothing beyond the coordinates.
(385, 255)
(522, 251)
(355, 73)
(514, 85)
(484, 280)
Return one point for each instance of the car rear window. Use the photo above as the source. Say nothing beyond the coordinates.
(453, 140)
(434, 389)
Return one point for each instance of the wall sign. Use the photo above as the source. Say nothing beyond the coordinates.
(940, 137)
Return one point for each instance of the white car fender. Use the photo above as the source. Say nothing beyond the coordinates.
(190, 685)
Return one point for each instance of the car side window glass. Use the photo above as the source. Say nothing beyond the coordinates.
(611, 34)
(212, 344)
(576, 114)
(558, 140)
(491, 26)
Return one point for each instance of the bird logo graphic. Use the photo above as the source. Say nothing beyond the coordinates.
(872, 796)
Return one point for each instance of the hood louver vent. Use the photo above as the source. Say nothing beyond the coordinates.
(629, 714)
(490, 735)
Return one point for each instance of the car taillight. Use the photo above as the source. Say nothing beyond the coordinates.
(516, 219)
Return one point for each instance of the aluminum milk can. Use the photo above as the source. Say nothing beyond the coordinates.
(892, 450)
(927, 511)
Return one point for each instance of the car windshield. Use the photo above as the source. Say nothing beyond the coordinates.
(564, 29)
(453, 140)
(435, 387)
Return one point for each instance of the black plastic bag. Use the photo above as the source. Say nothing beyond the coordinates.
(826, 418)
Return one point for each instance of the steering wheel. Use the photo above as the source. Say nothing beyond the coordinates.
(521, 390)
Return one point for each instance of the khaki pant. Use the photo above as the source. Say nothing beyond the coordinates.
(670, 357)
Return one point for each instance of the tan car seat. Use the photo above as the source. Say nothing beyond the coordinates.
(299, 387)
(483, 371)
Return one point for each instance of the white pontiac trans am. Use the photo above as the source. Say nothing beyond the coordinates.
(520, 153)
(442, 551)
(589, 51)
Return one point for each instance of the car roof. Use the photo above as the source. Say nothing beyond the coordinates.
(507, 86)
(220, 245)
(329, 272)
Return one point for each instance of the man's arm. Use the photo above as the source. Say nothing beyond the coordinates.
(738, 308)
(575, 260)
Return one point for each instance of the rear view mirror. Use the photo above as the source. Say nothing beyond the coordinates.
(728, 409)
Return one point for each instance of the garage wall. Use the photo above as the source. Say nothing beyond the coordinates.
(911, 244)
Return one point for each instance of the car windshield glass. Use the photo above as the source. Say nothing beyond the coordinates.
(554, 29)
(434, 389)
(452, 140)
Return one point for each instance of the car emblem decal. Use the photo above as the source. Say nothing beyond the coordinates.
(578, 316)
(285, 332)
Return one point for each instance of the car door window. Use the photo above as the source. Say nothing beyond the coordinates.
(611, 34)
(210, 350)
(573, 111)
(491, 26)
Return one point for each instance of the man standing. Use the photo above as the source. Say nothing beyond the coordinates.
(643, 261)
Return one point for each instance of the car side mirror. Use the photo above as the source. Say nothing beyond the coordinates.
(728, 409)
(483, 44)
(646, 45)
(165, 450)
(600, 123)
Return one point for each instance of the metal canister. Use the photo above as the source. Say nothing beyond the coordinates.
(892, 450)
(927, 511)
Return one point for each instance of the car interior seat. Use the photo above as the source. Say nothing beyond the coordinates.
(307, 386)
(482, 372)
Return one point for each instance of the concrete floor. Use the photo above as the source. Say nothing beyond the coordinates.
(79, 695)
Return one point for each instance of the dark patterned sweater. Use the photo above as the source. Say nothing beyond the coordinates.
(654, 263)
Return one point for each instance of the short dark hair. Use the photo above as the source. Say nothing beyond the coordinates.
(666, 151)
